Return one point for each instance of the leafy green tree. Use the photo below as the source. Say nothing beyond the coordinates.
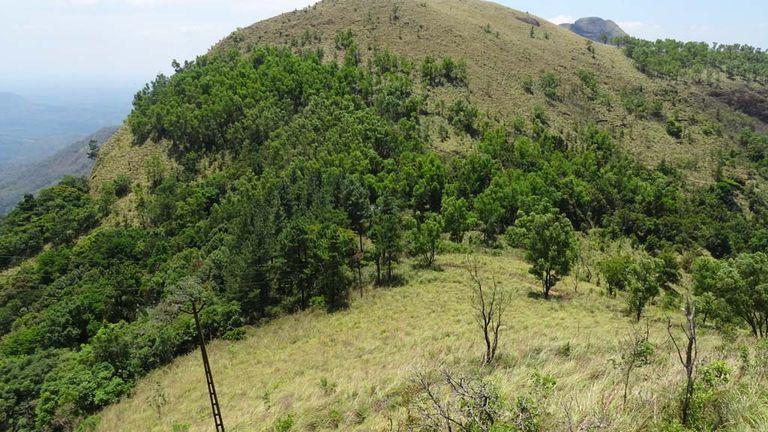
(550, 245)
(357, 204)
(643, 283)
(742, 282)
(429, 184)
(472, 174)
(294, 268)
(426, 238)
(387, 235)
(497, 206)
(332, 248)
(456, 217)
(616, 271)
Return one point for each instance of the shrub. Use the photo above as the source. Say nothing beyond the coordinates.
(284, 423)
(122, 185)
(674, 129)
(463, 117)
(550, 85)
(527, 84)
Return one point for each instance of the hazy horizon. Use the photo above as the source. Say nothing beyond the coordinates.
(113, 47)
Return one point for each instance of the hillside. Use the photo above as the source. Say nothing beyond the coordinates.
(507, 61)
(354, 370)
(596, 29)
(72, 160)
(374, 147)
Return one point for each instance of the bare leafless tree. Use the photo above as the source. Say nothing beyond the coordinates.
(490, 305)
(634, 354)
(451, 402)
(688, 360)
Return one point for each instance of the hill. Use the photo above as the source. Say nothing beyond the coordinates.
(354, 370)
(507, 61)
(365, 146)
(72, 160)
(596, 29)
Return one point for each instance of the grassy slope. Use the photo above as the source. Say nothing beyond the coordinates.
(369, 352)
(499, 61)
(120, 156)
(497, 66)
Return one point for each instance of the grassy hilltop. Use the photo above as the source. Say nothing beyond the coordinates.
(380, 147)
(504, 49)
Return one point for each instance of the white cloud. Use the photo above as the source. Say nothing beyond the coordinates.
(562, 19)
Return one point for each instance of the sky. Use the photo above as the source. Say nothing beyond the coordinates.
(65, 45)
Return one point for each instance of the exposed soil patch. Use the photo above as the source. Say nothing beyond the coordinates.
(529, 20)
(752, 102)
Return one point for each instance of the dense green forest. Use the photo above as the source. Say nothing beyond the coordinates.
(675, 59)
(330, 170)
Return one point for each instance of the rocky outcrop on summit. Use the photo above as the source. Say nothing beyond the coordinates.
(596, 29)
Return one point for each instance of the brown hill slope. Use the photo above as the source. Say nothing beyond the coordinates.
(507, 51)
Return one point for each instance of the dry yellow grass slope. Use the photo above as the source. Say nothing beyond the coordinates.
(121, 156)
(351, 370)
(496, 42)
(500, 52)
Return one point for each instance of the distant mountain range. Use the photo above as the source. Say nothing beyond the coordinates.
(596, 29)
(31, 131)
(29, 178)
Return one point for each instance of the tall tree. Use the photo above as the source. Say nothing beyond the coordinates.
(387, 235)
(742, 282)
(643, 283)
(550, 245)
(426, 238)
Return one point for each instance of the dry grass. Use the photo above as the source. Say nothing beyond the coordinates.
(498, 63)
(501, 59)
(351, 370)
(121, 156)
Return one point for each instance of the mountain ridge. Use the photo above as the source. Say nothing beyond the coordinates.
(377, 150)
(72, 160)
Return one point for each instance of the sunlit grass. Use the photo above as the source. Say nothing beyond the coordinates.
(350, 370)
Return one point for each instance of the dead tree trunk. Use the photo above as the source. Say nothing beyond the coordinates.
(489, 306)
(688, 361)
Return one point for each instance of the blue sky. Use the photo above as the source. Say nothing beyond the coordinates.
(49, 44)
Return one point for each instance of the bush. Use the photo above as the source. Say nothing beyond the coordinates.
(463, 117)
(550, 85)
(674, 129)
(284, 423)
(122, 185)
(527, 84)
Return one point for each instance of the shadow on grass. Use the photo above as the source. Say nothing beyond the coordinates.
(393, 282)
(538, 295)
(433, 267)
